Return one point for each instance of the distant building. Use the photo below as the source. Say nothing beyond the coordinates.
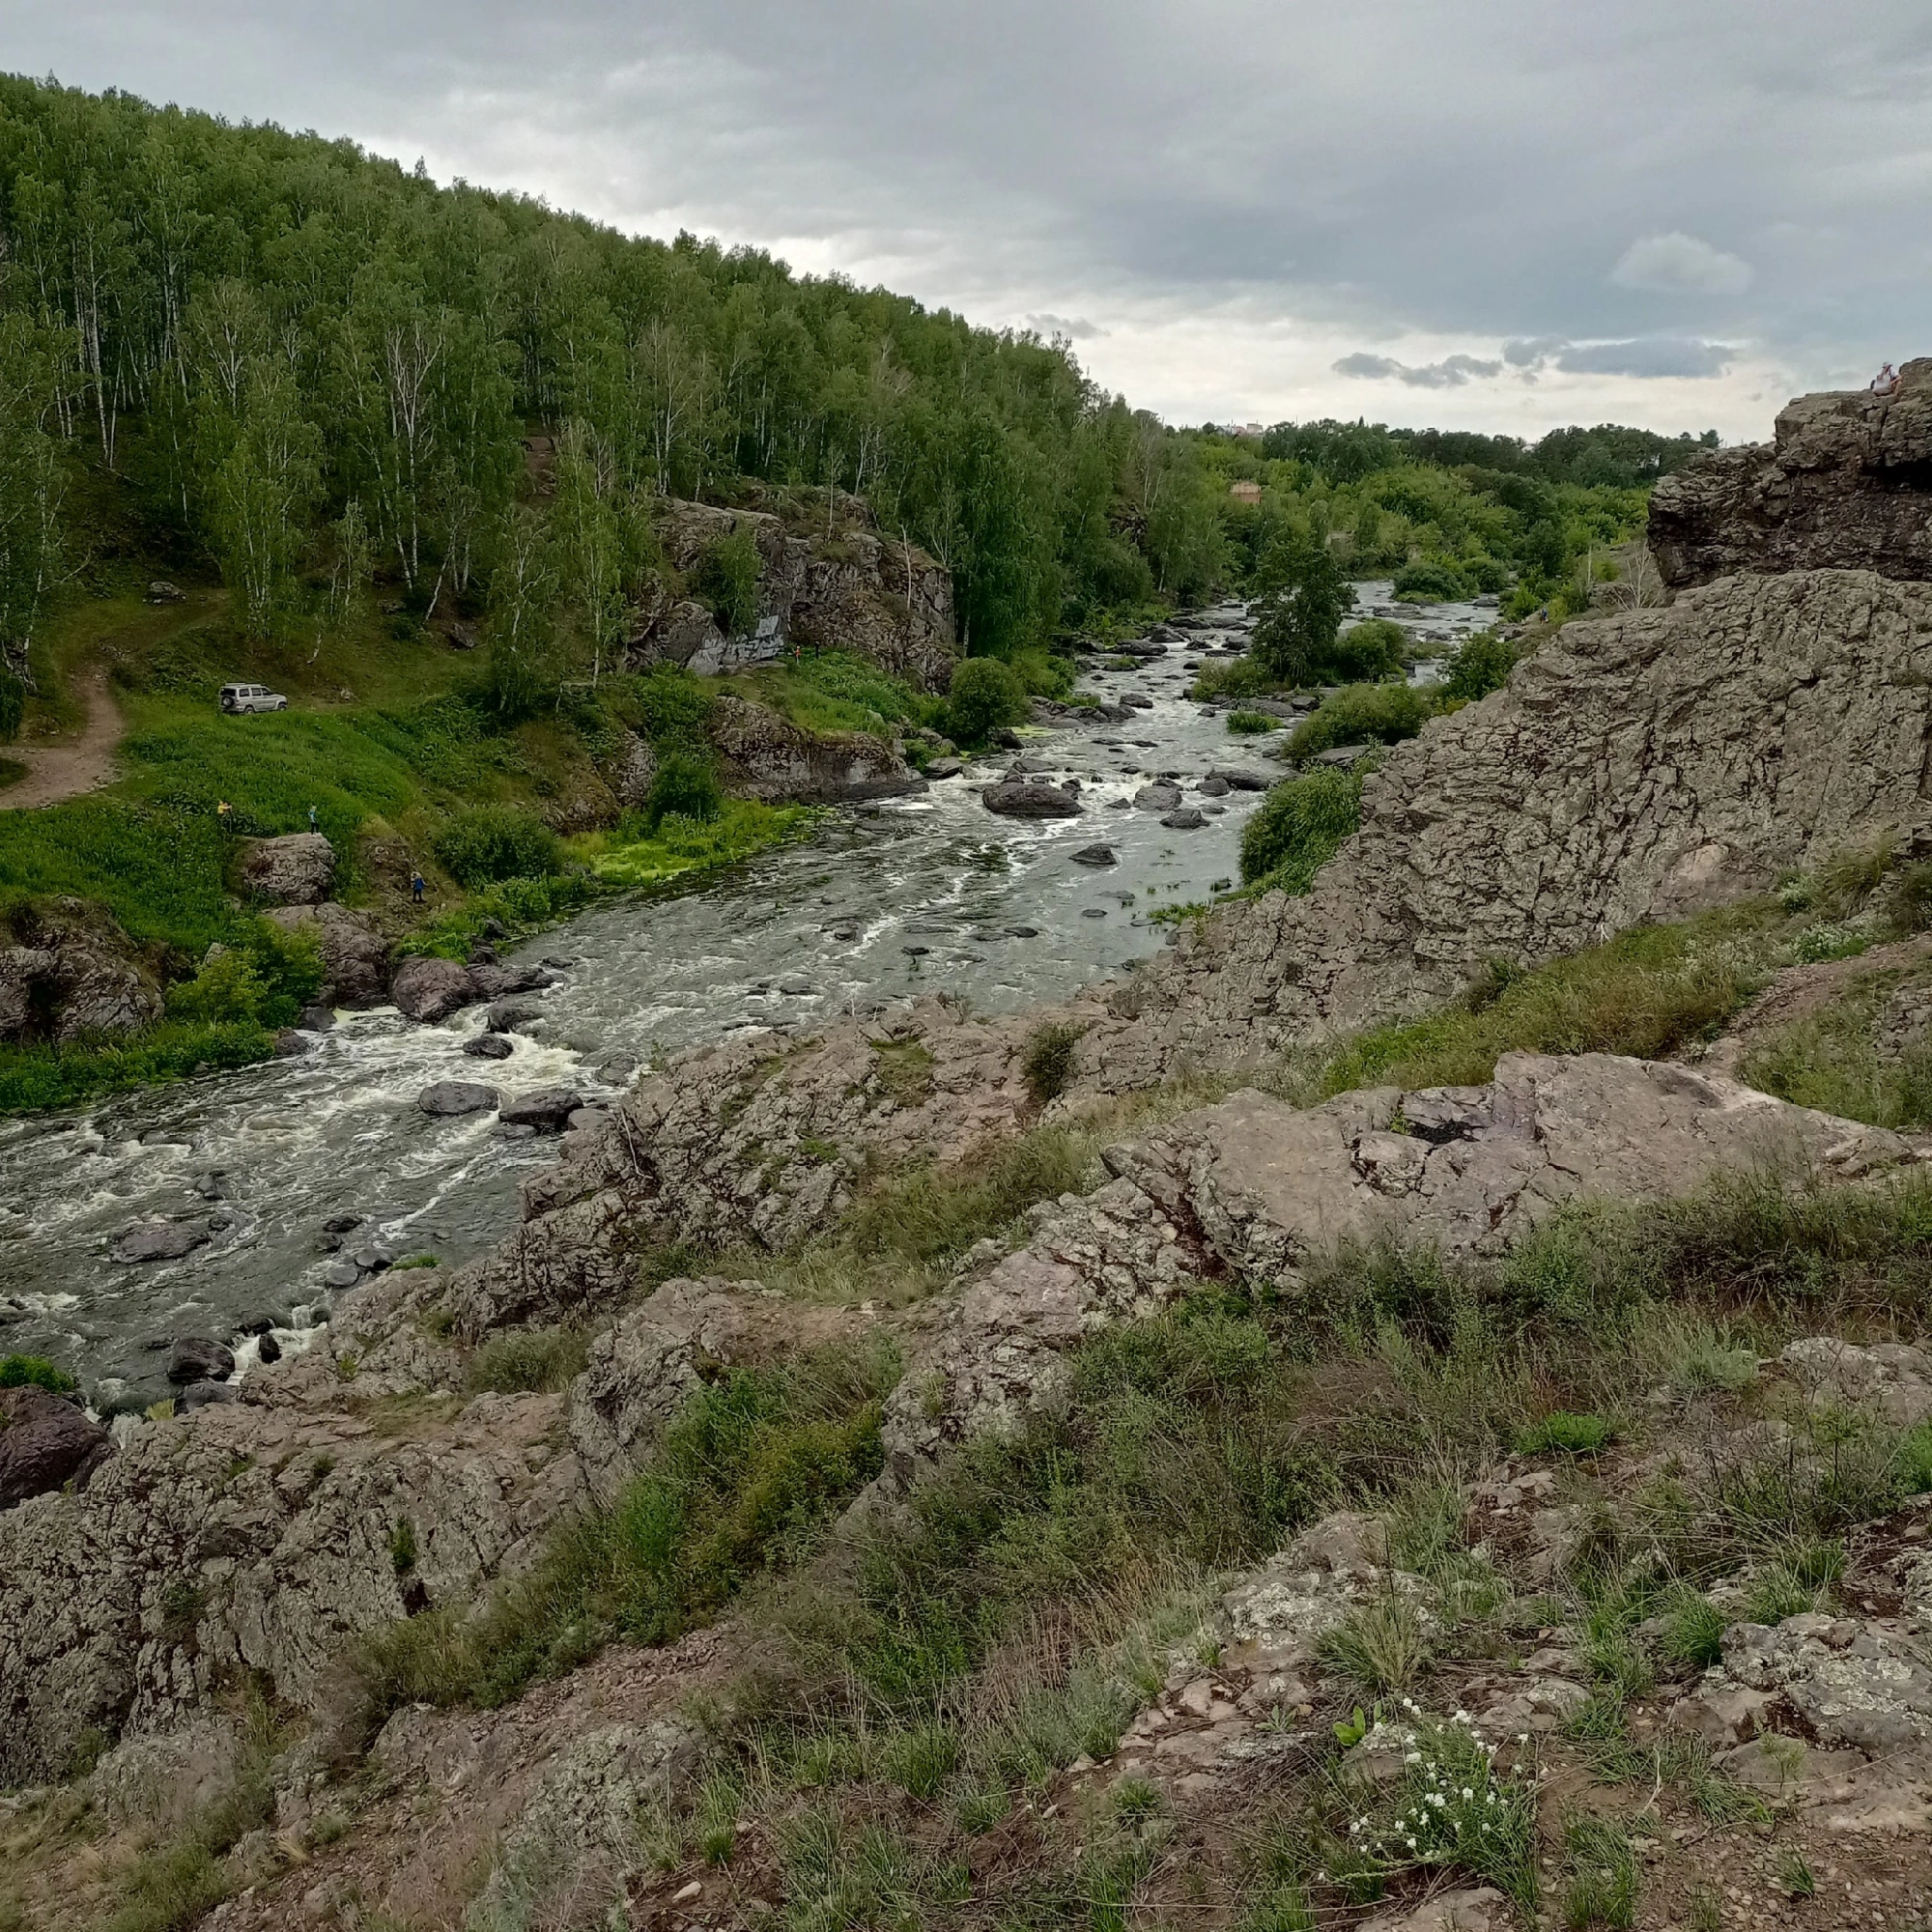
(1245, 491)
(1255, 429)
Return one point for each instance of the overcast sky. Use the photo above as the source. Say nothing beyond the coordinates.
(1483, 214)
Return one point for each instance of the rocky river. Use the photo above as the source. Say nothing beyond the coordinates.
(290, 1176)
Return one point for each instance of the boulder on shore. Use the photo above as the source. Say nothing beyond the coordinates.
(1025, 798)
(45, 1442)
(354, 954)
(447, 1099)
(432, 989)
(296, 869)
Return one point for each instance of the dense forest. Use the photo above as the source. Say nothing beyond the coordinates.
(316, 369)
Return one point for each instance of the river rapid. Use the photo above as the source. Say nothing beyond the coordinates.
(927, 893)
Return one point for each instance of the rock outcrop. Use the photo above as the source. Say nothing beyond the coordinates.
(45, 1442)
(355, 953)
(1846, 483)
(852, 589)
(294, 870)
(69, 971)
(767, 758)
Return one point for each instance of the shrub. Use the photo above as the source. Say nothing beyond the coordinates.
(671, 706)
(1379, 1643)
(1048, 1061)
(527, 1361)
(1300, 826)
(13, 704)
(493, 842)
(1366, 653)
(725, 581)
(263, 982)
(1232, 678)
(984, 695)
(1304, 598)
(1251, 723)
(1430, 580)
(1693, 1631)
(1566, 1434)
(1480, 664)
(1361, 713)
(35, 1372)
(686, 786)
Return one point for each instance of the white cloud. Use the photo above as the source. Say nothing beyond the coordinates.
(1680, 264)
(1451, 373)
(1075, 327)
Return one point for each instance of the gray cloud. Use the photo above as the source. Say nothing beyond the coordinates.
(1451, 373)
(1075, 327)
(1640, 173)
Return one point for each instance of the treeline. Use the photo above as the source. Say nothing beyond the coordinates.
(319, 369)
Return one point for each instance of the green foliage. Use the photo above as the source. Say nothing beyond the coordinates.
(1431, 579)
(1379, 1643)
(35, 1372)
(685, 785)
(1480, 664)
(673, 708)
(1299, 828)
(489, 844)
(1305, 595)
(263, 983)
(725, 581)
(1366, 653)
(683, 849)
(1047, 1062)
(1243, 676)
(1564, 1433)
(13, 704)
(984, 695)
(1251, 723)
(527, 1361)
(1693, 1631)
(1362, 714)
(1600, 1893)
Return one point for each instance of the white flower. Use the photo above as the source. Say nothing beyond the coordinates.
(1523, 1737)
(1467, 1793)
(1413, 1757)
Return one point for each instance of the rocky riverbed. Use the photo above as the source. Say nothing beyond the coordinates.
(252, 1198)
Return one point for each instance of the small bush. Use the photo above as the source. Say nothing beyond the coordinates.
(1048, 1061)
(1566, 1434)
(1379, 1643)
(1251, 723)
(726, 582)
(13, 705)
(1363, 714)
(1600, 1895)
(1299, 828)
(1233, 678)
(985, 694)
(1368, 652)
(686, 786)
(1693, 1631)
(1480, 664)
(263, 983)
(1431, 579)
(493, 842)
(35, 1372)
(529, 1361)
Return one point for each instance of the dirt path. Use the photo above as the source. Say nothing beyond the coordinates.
(68, 767)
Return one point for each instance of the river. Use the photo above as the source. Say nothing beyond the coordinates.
(920, 895)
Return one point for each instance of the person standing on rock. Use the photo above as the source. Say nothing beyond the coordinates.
(1885, 381)
(313, 824)
(415, 887)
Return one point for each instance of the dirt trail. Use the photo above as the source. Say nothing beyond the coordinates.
(68, 767)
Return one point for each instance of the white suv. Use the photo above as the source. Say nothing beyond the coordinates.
(237, 698)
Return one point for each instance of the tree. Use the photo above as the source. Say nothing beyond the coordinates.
(262, 496)
(1304, 598)
(33, 489)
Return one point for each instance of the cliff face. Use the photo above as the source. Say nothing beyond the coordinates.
(1847, 482)
(853, 589)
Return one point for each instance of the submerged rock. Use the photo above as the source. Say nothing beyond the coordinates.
(160, 1242)
(1095, 855)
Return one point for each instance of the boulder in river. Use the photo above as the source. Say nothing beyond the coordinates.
(45, 1442)
(1213, 787)
(448, 1097)
(1186, 819)
(1240, 780)
(1095, 855)
(160, 1240)
(945, 768)
(492, 981)
(508, 1015)
(1157, 797)
(298, 870)
(547, 1109)
(1027, 798)
(200, 1359)
(432, 989)
(487, 1046)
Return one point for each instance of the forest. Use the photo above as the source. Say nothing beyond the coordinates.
(274, 356)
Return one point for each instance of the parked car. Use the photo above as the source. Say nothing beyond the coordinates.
(239, 698)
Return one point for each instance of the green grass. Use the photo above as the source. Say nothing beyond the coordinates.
(35, 1372)
(1251, 723)
(525, 1361)
(834, 691)
(1566, 1434)
(685, 846)
(38, 1076)
(1300, 826)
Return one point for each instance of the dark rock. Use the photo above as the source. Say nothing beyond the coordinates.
(487, 1046)
(374, 1259)
(1095, 855)
(448, 1097)
(546, 1110)
(797, 989)
(482, 956)
(45, 1442)
(1186, 819)
(495, 928)
(1004, 738)
(1027, 798)
(160, 1242)
(1157, 797)
(508, 1016)
(291, 1044)
(945, 768)
(432, 989)
(200, 1395)
(1213, 788)
(342, 1274)
(1342, 755)
(1240, 780)
(615, 1069)
(355, 953)
(557, 964)
(315, 1019)
(341, 1224)
(219, 1224)
(1022, 932)
(258, 1325)
(492, 982)
(267, 1350)
(1094, 912)
(915, 951)
(200, 1359)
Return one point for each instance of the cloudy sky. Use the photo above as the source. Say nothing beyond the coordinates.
(1503, 214)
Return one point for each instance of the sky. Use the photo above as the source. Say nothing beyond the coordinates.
(1503, 214)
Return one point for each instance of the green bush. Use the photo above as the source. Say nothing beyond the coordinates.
(1048, 1061)
(1300, 826)
(1362, 714)
(1431, 579)
(726, 582)
(1304, 598)
(985, 694)
(13, 704)
(1251, 723)
(1233, 678)
(264, 981)
(686, 786)
(1366, 653)
(1480, 664)
(35, 1372)
(491, 843)
(1566, 1434)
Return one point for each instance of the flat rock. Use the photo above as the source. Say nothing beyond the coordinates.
(1095, 855)
(1187, 820)
(547, 1109)
(1157, 797)
(298, 870)
(491, 980)
(432, 989)
(456, 1097)
(1027, 798)
(160, 1240)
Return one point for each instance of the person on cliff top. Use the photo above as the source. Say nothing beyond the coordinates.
(1885, 381)
(313, 819)
(415, 887)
